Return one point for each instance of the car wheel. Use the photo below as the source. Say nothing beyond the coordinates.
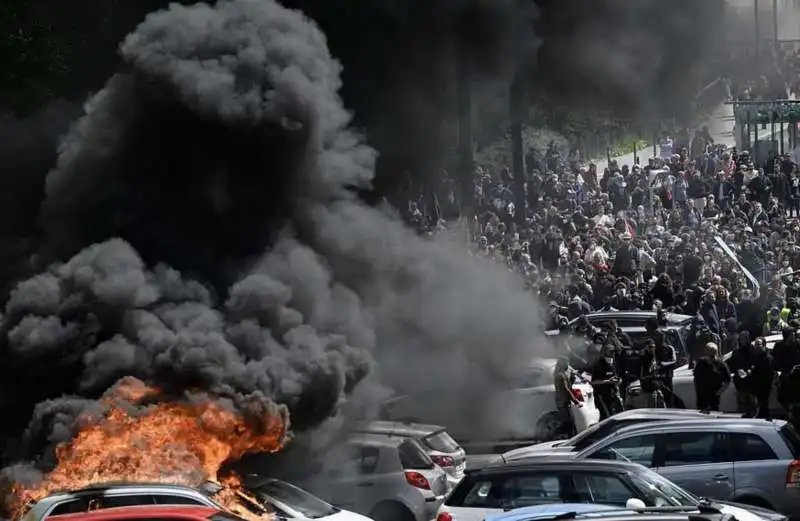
(548, 425)
(391, 511)
(754, 502)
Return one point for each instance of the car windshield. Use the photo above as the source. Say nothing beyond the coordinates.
(661, 492)
(295, 498)
(441, 441)
(594, 433)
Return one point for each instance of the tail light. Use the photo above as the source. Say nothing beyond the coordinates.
(443, 461)
(793, 474)
(577, 394)
(415, 479)
(445, 516)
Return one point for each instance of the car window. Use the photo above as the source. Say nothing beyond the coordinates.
(164, 499)
(750, 447)
(694, 448)
(792, 439)
(638, 449)
(73, 506)
(607, 489)
(624, 321)
(510, 491)
(126, 500)
(307, 504)
(366, 458)
(441, 441)
(599, 431)
(413, 456)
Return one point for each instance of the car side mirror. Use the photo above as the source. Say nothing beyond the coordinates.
(635, 503)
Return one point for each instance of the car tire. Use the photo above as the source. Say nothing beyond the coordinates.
(754, 501)
(391, 511)
(547, 426)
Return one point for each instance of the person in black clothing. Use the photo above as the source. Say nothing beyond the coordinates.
(711, 377)
(606, 383)
(786, 358)
(627, 258)
(558, 318)
(657, 364)
(741, 366)
(763, 375)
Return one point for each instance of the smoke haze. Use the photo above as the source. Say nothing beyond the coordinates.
(199, 231)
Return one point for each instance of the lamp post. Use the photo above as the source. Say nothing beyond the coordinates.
(516, 110)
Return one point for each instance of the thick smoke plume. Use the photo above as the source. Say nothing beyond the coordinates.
(199, 231)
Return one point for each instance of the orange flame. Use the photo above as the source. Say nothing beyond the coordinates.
(174, 443)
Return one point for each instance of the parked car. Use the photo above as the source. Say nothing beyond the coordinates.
(605, 428)
(530, 391)
(750, 461)
(578, 511)
(440, 446)
(625, 319)
(282, 499)
(388, 478)
(683, 387)
(552, 480)
(150, 513)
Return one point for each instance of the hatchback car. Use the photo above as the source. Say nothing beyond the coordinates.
(440, 446)
(552, 480)
(748, 461)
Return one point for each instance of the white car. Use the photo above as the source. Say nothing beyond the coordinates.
(683, 387)
(523, 413)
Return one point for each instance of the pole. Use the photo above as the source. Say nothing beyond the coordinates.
(516, 110)
(466, 166)
(758, 32)
(775, 23)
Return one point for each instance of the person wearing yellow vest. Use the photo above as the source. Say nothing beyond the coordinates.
(777, 320)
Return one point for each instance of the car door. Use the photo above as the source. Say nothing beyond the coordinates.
(638, 448)
(698, 460)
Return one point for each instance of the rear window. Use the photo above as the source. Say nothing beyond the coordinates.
(792, 439)
(98, 502)
(506, 491)
(441, 441)
(750, 447)
(413, 456)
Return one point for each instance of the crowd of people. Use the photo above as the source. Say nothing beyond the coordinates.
(702, 230)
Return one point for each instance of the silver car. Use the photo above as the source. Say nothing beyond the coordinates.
(388, 478)
(749, 461)
(440, 446)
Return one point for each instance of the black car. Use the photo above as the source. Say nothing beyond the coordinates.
(551, 480)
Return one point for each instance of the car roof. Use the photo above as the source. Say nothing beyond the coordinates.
(545, 462)
(672, 413)
(726, 422)
(122, 487)
(673, 318)
(398, 428)
(376, 440)
(140, 511)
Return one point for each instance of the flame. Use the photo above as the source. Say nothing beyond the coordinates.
(182, 443)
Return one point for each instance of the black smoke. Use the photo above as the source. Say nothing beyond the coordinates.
(199, 231)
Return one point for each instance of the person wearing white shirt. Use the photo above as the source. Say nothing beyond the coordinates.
(666, 146)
